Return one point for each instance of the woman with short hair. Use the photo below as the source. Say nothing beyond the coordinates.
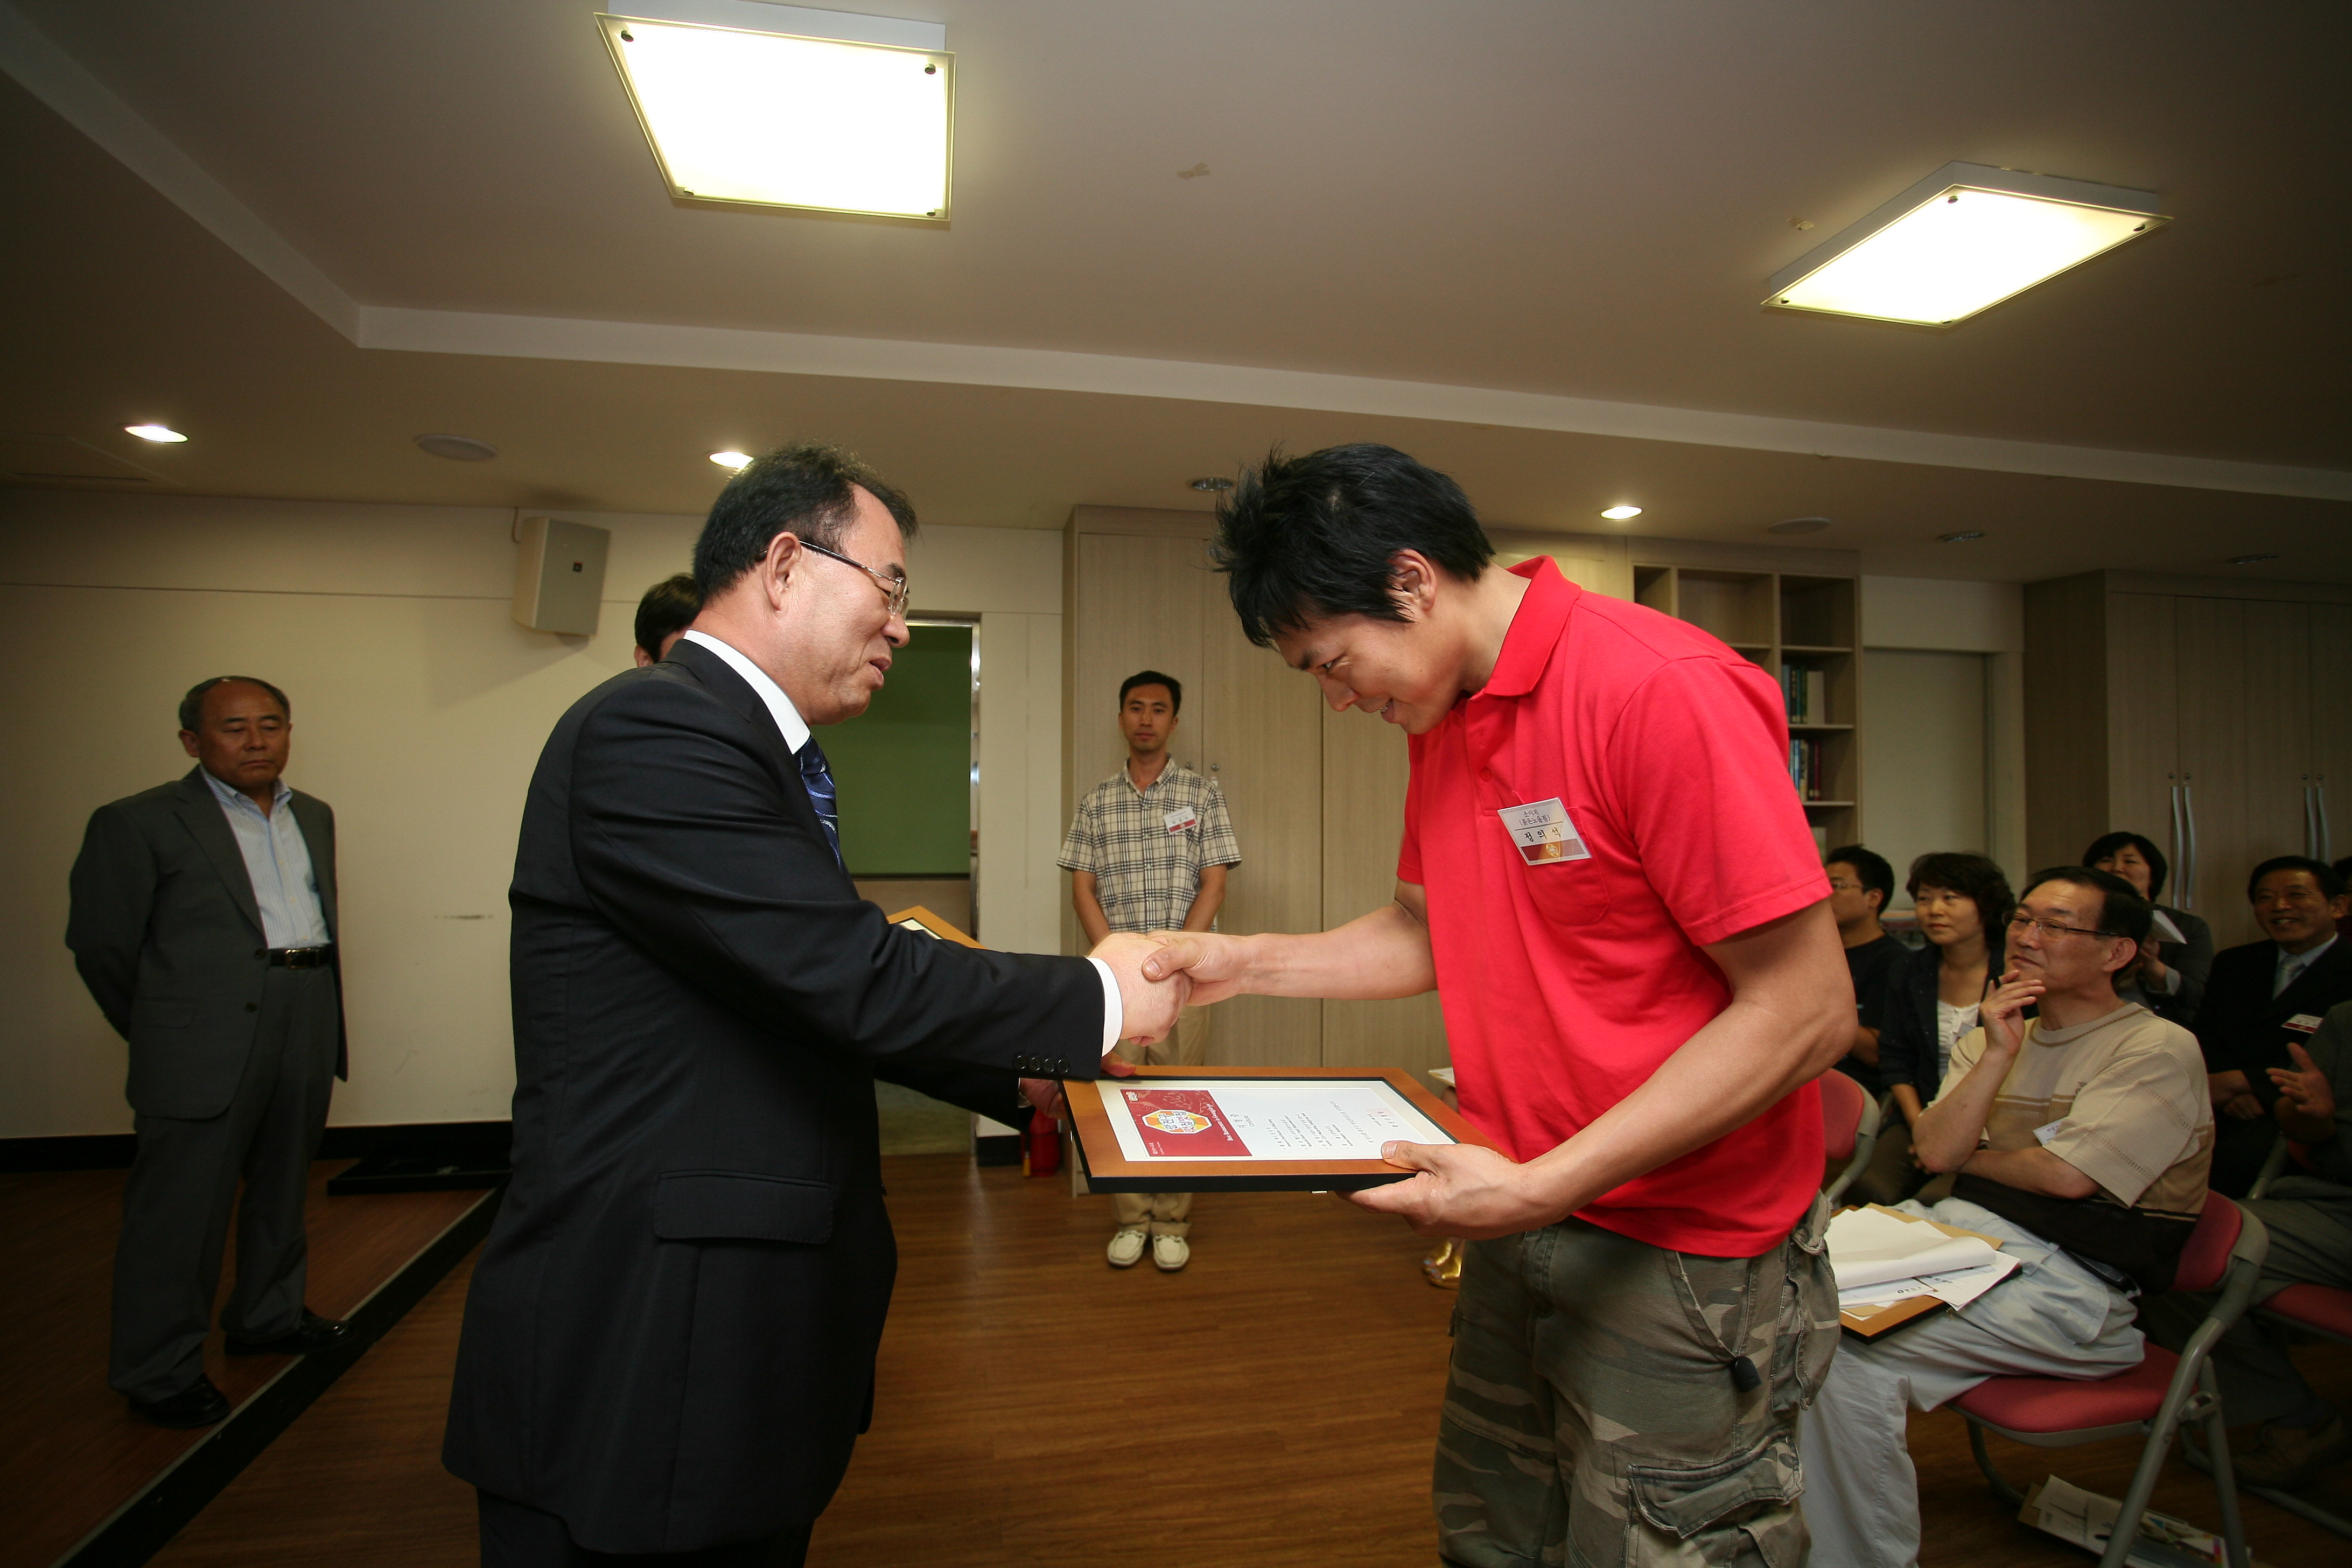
(2171, 979)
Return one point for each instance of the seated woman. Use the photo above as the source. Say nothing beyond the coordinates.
(1963, 904)
(2170, 980)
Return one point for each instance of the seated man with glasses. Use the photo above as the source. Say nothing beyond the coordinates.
(2080, 1140)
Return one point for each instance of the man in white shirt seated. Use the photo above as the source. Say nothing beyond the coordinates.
(2080, 1140)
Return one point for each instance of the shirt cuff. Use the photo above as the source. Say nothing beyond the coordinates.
(1114, 1010)
(2171, 985)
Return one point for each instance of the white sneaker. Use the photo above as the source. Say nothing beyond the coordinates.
(1170, 1252)
(1126, 1249)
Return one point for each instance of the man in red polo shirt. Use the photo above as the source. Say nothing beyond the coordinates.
(1610, 881)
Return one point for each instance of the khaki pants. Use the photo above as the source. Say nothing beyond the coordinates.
(1165, 1213)
(1612, 1402)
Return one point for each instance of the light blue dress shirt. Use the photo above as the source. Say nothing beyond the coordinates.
(277, 858)
(2291, 965)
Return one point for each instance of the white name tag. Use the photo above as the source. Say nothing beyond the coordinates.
(1543, 833)
(2303, 1023)
(2047, 1130)
(1182, 818)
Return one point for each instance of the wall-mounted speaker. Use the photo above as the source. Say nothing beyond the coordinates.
(560, 575)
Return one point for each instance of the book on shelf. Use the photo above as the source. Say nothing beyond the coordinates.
(1805, 766)
(1805, 689)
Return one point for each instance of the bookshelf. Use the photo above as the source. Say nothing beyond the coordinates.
(1804, 630)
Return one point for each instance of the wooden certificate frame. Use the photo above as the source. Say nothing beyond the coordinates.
(931, 923)
(1109, 1170)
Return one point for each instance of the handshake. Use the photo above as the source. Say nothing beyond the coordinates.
(1150, 1000)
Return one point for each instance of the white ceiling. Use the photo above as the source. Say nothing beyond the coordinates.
(1525, 240)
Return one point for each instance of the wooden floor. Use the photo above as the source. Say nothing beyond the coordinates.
(70, 1451)
(1273, 1405)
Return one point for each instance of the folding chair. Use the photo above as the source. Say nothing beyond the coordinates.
(2153, 1399)
(2318, 1309)
(1849, 1128)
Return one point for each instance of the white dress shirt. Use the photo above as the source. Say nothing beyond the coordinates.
(277, 859)
(795, 731)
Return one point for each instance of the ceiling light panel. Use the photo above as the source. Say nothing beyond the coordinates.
(1960, 241)
(771, 118)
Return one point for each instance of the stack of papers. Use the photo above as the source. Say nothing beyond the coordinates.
(2088, 1521)
(1882, 1257)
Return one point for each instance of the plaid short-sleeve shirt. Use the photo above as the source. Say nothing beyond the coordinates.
(1147, 847)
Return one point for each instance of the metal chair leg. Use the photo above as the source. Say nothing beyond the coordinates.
(2001, 1487)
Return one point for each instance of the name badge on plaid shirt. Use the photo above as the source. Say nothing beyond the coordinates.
(1182, 818)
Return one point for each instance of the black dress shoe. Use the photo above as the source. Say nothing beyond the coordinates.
(312, 1332)
(200, 1406)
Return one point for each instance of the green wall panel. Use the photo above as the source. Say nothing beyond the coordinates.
(903, 767)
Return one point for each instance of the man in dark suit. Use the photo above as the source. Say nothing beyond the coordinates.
(2263, 996)
(203, 922)
(669, 1349)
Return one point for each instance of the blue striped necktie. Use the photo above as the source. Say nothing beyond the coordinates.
(819, 779)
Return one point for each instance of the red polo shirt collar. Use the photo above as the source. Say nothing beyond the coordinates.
(1535, 629)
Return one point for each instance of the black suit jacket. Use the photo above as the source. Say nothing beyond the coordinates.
(168, 938)
(669, 1341)
(2243, 1027)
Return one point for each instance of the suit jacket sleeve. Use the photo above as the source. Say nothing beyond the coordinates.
(1907, 1044)
(112, 888)
(685, 837)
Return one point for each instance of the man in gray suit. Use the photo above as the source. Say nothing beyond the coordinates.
(203, 924)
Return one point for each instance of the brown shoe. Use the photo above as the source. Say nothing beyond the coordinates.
(2290, 1459)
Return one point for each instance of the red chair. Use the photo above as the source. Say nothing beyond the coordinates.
(2153, 1399)
(1849, 1128)
(2318, 1309)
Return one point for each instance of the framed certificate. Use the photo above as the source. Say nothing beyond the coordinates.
(1254, 1130)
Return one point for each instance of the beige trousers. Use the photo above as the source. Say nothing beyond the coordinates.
(1165, 1213)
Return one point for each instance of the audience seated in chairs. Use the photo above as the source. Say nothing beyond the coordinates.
(2096, 1134)
(2263, 995)
(1963, 901)
(1860, 884)
(2309, 1211)
(2170, 980)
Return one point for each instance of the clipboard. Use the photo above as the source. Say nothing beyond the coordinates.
(1117, 1163)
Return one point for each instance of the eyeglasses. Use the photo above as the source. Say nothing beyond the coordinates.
(893, 588)
(2019, 921)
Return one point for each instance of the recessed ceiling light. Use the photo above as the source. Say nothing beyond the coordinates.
(1962, 537)
(457, 448)
(734, 462)
(2251, 559)
(1620, 513)
(1964, 238)
(1212, 485)
(1798, 525)
(163, 433)
(778, 120)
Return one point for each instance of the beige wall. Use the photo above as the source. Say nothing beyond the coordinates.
(420, 708)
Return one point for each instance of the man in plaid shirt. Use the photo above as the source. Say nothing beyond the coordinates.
(1147, 851)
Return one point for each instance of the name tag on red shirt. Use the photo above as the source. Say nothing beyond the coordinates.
(1543, 833)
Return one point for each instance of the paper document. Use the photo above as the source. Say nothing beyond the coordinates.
(1881, 1258)
(1267, 1119)
(2088, 1521)
(2163, 929)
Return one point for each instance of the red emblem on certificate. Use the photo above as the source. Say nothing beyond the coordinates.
(1182, 1123)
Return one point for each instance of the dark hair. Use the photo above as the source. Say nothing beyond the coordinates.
(191, 706)
(2330, 880)
(2122, 912)
(1308, 538)
(669, 607)
(1869, 865)
(1153, 678)
(1972, 877)
(803, 489)
(2108, 844)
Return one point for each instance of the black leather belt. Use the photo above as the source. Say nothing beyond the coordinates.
(302, 957)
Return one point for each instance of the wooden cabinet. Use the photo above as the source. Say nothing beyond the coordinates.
(1804, 628)
(2208, 716)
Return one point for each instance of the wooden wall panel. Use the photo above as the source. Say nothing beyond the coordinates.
(2331, 721)
(2137, 686)
(1263, 738)
(1364, 773)
(2068, 735)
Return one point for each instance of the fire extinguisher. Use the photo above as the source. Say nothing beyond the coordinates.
(1041, 1146)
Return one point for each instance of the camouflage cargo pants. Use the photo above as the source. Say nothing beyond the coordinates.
(1612, 1402)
